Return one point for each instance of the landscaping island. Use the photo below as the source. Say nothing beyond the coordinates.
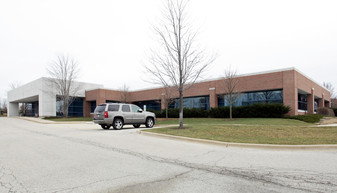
(252, 130)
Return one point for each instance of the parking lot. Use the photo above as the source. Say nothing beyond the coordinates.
(82, 157)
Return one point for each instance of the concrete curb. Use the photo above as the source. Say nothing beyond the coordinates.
(244, 145)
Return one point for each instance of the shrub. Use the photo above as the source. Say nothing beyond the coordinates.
(326, 111)
(251, 111)
(335, 111)
(188, 113)
(313, 118)
(158, 113)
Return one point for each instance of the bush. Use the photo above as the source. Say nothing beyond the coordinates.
(188, 113)
(313, 118)
(251, 111)
(335, 111)
(326, 111)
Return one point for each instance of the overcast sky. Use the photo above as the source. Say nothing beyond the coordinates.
(110, 39)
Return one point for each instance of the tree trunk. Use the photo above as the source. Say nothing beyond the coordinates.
(166, 113)
(181, 109)
(230, 111)
(65, 106)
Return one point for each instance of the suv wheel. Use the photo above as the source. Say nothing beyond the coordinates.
(105, 126)
(136, 125)
(149, 122)
(118, 123)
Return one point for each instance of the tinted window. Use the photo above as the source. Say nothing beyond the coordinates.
(134, 108)
(113, 108)
(126, 108)
(100, 108)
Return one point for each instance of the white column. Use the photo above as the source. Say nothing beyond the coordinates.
(12, 109)
(47, 105)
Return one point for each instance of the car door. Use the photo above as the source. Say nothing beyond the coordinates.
(138, 115)
(127, 114)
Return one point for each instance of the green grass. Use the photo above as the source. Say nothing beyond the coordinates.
(260, 131)
(60, 119)
(245, 121)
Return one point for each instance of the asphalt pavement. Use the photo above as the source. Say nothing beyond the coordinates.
(82, 157)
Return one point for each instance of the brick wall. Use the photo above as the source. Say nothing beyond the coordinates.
(290, 81)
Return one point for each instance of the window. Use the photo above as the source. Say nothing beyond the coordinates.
(153, 104)
(302, 102)
(135, 108)
(201, 102)
(74, 109)
(113, 107)
(126, 108)
(249, 98)
(100, 108)
(93, 106)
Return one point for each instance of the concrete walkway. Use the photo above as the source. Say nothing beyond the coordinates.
(44, 121)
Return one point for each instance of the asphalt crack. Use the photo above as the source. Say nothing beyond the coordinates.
(9, 182)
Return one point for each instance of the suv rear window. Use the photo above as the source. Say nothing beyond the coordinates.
(100, 108)
(113, 107)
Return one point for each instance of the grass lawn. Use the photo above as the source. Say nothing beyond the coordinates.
(260, 131)
(68, 119)
(244, 121)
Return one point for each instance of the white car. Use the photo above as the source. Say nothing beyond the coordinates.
(119, 114)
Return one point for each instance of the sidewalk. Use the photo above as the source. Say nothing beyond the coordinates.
(43, 121)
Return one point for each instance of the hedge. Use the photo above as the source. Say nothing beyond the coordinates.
(335, 110)
(252, 111)
(188, 113)
(312, 118)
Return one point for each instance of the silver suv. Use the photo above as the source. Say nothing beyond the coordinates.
(119, 114)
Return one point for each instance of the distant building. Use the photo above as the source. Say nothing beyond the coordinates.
(287, 86)
(40, 99)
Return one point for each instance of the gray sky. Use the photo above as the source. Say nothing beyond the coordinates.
(111, 39)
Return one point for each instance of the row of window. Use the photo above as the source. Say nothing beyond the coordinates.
(249, 98)
(202, 102)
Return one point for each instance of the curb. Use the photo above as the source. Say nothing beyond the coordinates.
(242, 145)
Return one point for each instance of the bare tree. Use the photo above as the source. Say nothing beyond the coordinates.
(178, 61)
(3, 106)
(231, 93)
(168, 96)
(330, 88)
(63, 71)
(124, 96)
(14, 85)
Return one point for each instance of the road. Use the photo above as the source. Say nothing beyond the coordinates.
(84, 158)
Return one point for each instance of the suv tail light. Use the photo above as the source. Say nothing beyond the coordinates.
(106, 115)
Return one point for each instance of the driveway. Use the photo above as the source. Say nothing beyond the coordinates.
(38, 157)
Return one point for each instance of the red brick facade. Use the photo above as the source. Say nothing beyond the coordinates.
(290, 81)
